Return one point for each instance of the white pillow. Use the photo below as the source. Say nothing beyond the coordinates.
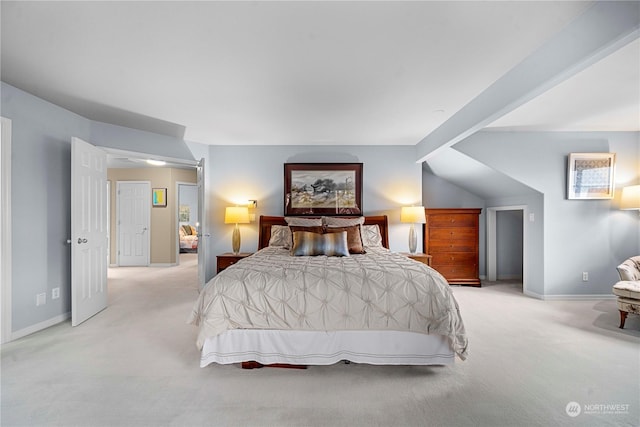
(371, 235)
(297, 221)
(280, 236)
(330, 221)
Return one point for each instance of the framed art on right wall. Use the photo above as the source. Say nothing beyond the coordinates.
(590, 175)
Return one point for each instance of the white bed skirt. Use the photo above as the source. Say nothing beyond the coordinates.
(326, 348)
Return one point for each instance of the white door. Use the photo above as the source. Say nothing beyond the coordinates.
(202, 234)
(133, 221)
(88, 231)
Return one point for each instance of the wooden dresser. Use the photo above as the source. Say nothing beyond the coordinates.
(451, 238)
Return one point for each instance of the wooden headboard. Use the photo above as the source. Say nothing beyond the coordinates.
(264, 233)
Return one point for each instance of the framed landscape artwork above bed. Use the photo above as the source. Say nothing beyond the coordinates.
(322, 189)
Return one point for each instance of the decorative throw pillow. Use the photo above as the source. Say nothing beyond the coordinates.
(315, 229)
(331, 221)
(280, 236)
(371, 236)
(354, 239)
(303, 222)
(310, 229)
(306, 243)
(187, 230)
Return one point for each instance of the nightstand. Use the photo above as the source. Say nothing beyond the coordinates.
(229, 258)
(423, 258)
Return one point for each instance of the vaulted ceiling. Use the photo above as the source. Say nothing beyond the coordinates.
(304, 72)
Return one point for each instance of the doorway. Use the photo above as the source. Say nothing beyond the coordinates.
(506, 244)
(187, 214)
(133, 166)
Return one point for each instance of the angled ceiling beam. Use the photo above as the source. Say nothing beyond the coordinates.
(602, 29)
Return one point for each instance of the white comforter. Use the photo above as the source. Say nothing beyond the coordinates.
(379, 290)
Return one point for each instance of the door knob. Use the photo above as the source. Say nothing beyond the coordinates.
(81, 240)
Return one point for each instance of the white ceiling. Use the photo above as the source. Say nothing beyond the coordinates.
(302, 72)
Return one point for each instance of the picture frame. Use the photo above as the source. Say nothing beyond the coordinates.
(184, 213)
(159, 197)
(590, 175)
(312, 189)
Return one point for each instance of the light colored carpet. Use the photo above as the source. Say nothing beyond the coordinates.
(136, 364)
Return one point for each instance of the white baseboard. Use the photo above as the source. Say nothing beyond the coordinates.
(156, 264)
(590, 297)
(40, 326)
(532, 294)
(509, 277)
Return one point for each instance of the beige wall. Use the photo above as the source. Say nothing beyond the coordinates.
(164, 221)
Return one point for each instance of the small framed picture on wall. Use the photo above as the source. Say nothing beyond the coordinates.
(159, 197)
(590, 175)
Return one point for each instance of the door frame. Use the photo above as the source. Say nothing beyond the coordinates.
(5, 229)
(204, 263)
(117, 234)
(176, 216)
(492, 242)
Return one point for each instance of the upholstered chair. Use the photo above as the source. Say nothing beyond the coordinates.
(628, 288)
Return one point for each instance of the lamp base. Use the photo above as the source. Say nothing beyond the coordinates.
(235, 240)
(413, 240)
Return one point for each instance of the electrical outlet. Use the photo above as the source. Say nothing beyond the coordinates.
(41, 299)
(55, 293)
(585, 276)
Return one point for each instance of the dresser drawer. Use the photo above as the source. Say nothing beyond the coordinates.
(454, 258)
(436, 246)
(453, 272)
(447, 233)
(452, 220)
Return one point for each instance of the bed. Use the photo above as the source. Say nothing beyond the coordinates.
(188, 238)
(377, 307)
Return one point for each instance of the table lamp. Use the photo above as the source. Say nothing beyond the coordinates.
(236, 215)
(413, 215)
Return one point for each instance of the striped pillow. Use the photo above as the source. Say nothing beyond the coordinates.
(306, 243)
(354, 238)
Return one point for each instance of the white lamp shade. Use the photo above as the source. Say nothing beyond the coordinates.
(236, 215)
(630, 198)
(413, 214)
